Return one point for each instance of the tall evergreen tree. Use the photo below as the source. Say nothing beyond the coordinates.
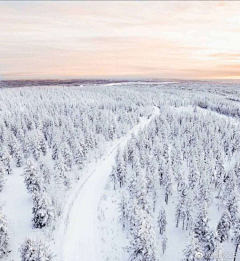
(43, 210)
(223, 228)
(162, 221)
(35, 250)
(236, 238)
(32, 179)
(4, 237)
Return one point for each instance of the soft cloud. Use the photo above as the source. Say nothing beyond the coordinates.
(90, 39)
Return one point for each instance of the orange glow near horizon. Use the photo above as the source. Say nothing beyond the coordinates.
(188, 40)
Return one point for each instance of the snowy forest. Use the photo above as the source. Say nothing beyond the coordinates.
(132, 171)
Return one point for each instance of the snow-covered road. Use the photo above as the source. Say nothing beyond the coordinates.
(79, 230)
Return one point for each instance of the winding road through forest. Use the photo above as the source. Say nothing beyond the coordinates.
(77, 239)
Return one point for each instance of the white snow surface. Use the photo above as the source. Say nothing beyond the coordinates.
(17, 206)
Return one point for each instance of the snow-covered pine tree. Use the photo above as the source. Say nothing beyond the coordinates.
(4, 236)
(35, 250)
(43, 146)
(179, 211)
(132, 185)
(113, 176)
(120, 169)
(2, 179)
(67, 156)
(237, 172)
(223, 228)
(161, 171)
(193, 251)
(55, 151)
(201, 226)
(164, 244)
(209, 245)
(18, 156)
(79, 157)
(123, 210)
(43, 210)
(6, 162)
(36, 149)
(236, 238)
(162, 221)
(189, 212)
(232, 207)
(168, 187)
(152, 181)
(43, 168)
(62, 168)
(143, 245)
(141, 192)
(32, 179)
(134, 213)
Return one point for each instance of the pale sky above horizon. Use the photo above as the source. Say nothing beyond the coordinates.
(49, 40)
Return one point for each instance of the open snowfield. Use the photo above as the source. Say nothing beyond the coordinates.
(138, 171)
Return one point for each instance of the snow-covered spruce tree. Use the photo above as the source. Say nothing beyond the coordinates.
(123, 210)
(55, 151)
(44, 170)
(229, 187)
(43, 210)
(6, 163)
(237, 173)
(79, 157)
(209, 245)
(36, 150)
(141, 192)
(152, 181)
(223, 228)
(2, 179)
(67, 156)
(193, 251)
(179, 211)
(113, 176)
(162, 221)
(236, 238)
(220, 172)
(43, 146)
(162, 171)
(232, 207)
(32, 179)
(27, 145)
(62, 169)
(18, 156)
(207, 238)
(120, 168)
(143, 246)
(164, 244)
(132, 185)
(201, 226)
(35, 250)
(203, 191)
(131, 147)
(168, 187)
(4, 238)
(136, 164)
(134, 210)
(189, 212)
(193, 176)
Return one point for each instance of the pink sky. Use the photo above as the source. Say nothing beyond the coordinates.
(186, 39)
